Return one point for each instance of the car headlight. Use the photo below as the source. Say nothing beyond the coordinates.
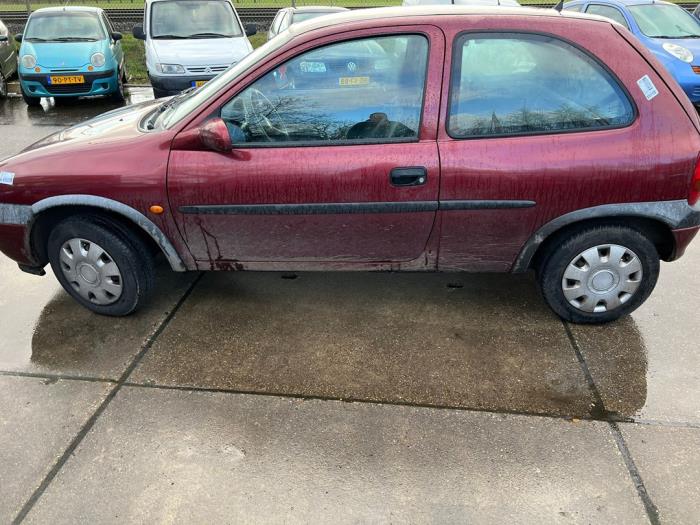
(28, 61)
(97, 59)
(679, 52)
(170, 69)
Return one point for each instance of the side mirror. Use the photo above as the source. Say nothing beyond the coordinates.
(4, 38)
(138, 33)
(251, 29)
(18, 37)
(117, 36)
(214, 135)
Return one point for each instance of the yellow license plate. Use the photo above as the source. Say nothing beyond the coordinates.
(199, 83)
(67, 79)
(353, 81)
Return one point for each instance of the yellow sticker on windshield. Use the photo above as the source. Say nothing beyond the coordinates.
(353, 81)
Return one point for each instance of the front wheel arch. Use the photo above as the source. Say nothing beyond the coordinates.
(49, 212)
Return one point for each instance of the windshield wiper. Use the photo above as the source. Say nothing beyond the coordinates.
(170, 37)
(37, 39)
(74, 39)
(209, 35)
(167, 105)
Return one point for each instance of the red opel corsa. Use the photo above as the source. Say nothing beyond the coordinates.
(439, 139)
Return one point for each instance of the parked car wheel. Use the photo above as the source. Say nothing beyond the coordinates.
(120, 94)
(157, 93)
(599, 274)
(3, 85)
(31, 101)
(100, 265)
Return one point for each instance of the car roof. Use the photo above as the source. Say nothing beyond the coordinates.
(505, 3)
(316, 8)
(430, 11)
(621, 3)
(69, 8)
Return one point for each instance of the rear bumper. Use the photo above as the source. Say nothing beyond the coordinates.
(102, 83)
(174, 84)
(682, 238)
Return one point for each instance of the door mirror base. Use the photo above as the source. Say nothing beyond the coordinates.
(251, 29)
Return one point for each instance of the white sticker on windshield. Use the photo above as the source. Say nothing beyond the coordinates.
(647, 87)
(7, 178)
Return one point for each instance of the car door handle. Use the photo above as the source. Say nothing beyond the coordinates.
(413, 176)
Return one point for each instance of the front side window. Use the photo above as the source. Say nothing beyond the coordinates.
(175, 19)
(665, 21)
(608, 12)
(576, 8)
(369, 89)
(64, 26)
(510, 84)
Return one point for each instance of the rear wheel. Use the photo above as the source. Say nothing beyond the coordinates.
(31, 101)
(599, 274)
(101, 264)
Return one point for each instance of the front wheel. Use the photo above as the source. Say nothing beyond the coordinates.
(101, 264)
(120, 94)
(599, 274)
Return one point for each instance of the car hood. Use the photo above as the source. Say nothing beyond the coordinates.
(112, 126)
(202, 51)
(53, 55)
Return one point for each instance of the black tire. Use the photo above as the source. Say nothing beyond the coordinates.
(119, 95)
(3, 86)
(33, 102)
(554, 264)
(129, 252)
(157, 93)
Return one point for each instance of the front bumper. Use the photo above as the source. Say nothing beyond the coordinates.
(174, 84)
(98, 83)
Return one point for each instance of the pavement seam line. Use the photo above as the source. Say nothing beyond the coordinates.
(651, 510)
(303, 397)
(90, 423)
(57, 377)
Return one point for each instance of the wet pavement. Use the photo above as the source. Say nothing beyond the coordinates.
(342, 397)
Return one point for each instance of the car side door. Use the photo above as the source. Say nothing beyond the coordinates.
(8, 60)
(334, 158)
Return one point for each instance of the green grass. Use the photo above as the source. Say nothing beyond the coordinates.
(135, 56)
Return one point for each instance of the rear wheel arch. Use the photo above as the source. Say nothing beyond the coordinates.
(49, 212)
(653, 219)
(658, 232)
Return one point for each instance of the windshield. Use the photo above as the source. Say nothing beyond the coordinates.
(64, 26)
(300, 17)
(193, 19)
(665, 21)
(189, 102)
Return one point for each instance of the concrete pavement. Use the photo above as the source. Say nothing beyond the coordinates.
(342, 397)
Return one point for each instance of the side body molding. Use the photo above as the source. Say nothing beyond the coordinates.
(675, 214)
(122, 209)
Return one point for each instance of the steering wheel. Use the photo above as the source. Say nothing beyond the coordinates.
(258, 109)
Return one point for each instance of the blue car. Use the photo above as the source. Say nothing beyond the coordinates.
(70, 52)
(667, 30)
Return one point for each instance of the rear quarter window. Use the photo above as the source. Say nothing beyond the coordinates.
(515, 83)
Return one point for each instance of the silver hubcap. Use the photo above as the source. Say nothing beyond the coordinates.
(602, 278)
(91, 271)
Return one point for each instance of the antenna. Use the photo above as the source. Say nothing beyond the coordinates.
(559, 6)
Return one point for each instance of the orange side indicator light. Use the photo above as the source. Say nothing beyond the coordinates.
(156, 209)
(90, 68)
(37, 69)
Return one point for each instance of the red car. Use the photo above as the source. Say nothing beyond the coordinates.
(433, 139)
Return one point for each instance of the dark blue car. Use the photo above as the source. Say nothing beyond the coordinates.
(667, 30)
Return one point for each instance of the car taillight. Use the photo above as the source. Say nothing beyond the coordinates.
(694, 194)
